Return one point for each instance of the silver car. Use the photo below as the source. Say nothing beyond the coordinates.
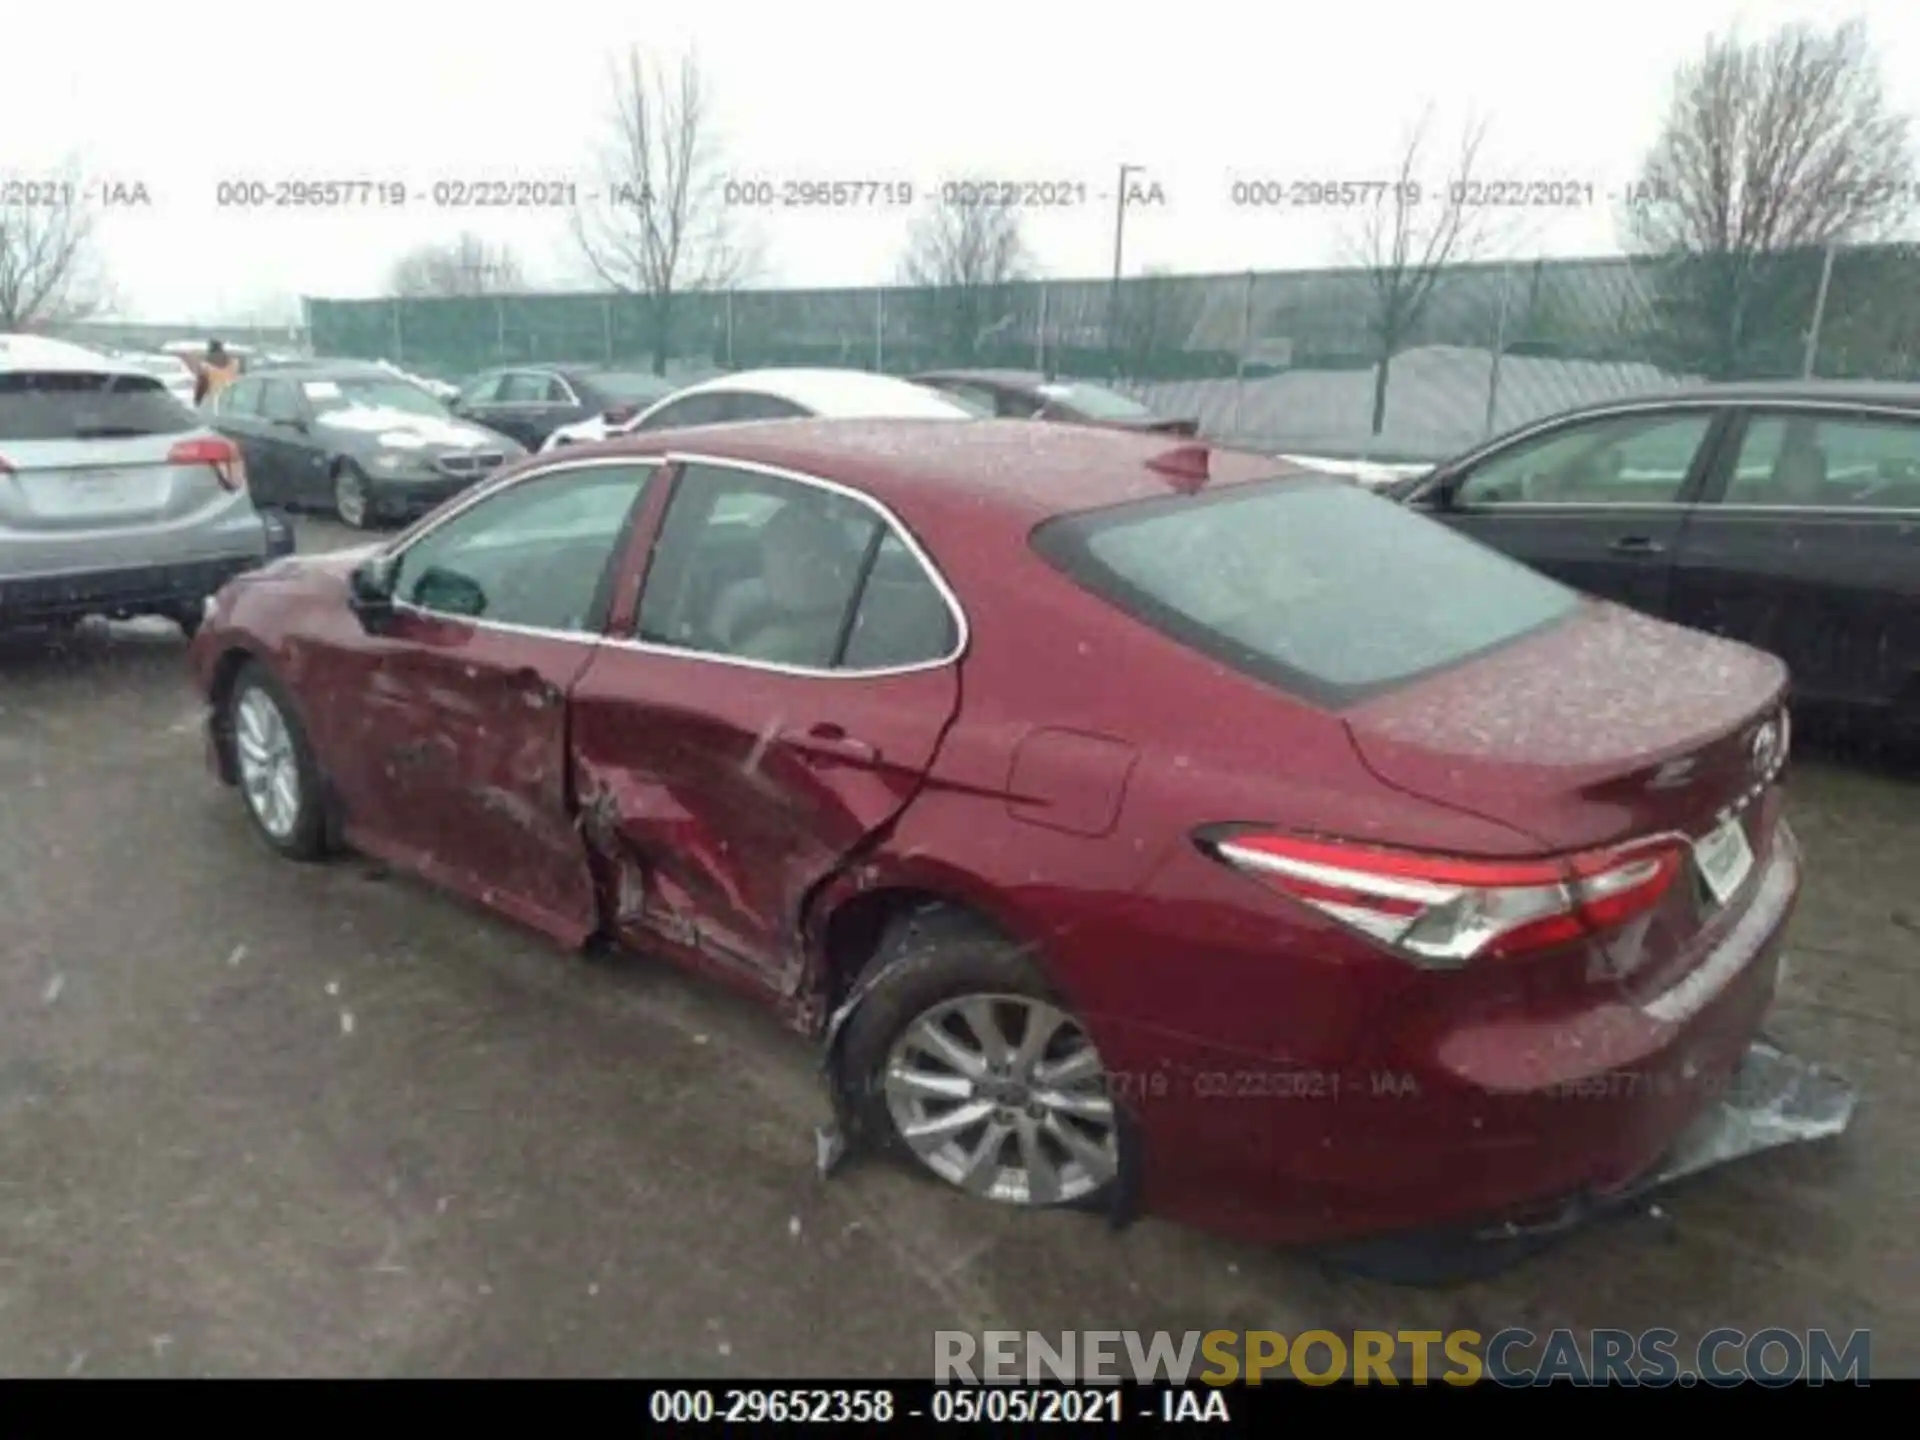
(115, 498)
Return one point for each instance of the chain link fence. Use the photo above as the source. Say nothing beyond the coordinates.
(1281, 361)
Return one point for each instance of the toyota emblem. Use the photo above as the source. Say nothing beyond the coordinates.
(1766, 748)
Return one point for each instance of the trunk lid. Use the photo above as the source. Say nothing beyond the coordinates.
(84, 450)
(1607, 727)
(69, 485)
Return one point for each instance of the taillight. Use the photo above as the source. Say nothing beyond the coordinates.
(1443, 912)
(222, 455)
(5, 468)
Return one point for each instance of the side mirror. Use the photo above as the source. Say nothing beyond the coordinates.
(449, 593)
(1433, 492)
(370, 591)
(620, 414)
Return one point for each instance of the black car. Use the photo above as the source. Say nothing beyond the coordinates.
(1029, 395)
(530, 402)
(1786, 515)
(352, 438)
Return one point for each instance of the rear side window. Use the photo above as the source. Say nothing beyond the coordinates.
(1320, 589)
(763, 568)
(1827, 461)
(707, 408)
(76, 405)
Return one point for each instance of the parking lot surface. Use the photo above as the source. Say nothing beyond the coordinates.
(261, 1118)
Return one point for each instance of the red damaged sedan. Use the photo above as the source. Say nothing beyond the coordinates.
(1127, 815)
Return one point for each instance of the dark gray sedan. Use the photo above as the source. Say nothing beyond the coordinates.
(355, 439)
(1783, 515)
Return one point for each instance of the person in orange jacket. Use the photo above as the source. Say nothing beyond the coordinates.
(217, 370)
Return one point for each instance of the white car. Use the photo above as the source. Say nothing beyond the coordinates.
(774, 395)
(172, 371)
(1371, 475)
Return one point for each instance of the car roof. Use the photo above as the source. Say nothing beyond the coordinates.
(926, 469)
(38, 352)
(195, 347)
(834, 393)
(1894, 394)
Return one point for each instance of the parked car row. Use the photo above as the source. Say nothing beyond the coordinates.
(1064, 781)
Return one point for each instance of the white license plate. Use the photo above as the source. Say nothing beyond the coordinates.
(1725, 859)
(89, 493)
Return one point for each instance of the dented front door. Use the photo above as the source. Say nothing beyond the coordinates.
(719, 794)
(459, 770)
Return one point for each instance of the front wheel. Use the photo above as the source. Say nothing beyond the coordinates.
(964, 1058)
(350, 499)
(274, 762)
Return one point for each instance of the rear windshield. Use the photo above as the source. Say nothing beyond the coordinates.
(70, 405)
(1316, 587)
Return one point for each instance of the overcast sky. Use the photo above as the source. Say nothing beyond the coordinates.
(1197, 93)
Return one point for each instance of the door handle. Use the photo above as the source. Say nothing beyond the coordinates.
(830, 739)
(539, 692)
(1636, 545)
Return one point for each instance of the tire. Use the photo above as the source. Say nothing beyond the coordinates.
(351, 501)
(938, 981)
(296, 829)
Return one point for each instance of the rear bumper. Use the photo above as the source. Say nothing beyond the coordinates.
(1300, 1156)
(1772, 1099)
(128, 590)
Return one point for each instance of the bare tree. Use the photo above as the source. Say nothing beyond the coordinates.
(1786, 143)
(1408, 240)
(48, 266)
(662, 228)
(466, 265)
(965, 260)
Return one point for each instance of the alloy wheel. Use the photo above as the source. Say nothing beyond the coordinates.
(350, 497)
(269, 767)
(1004, 1096)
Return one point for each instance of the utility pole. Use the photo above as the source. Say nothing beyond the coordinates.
(1119, 236)
(1819, 314)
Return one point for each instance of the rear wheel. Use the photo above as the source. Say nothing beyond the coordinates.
(963, 1057)
(274, 763)
(351, 502)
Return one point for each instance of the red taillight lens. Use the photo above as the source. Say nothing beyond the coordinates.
(222, 455)
(5, 468)
(1445, 912)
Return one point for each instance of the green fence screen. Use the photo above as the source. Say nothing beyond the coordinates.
(1284, 361)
